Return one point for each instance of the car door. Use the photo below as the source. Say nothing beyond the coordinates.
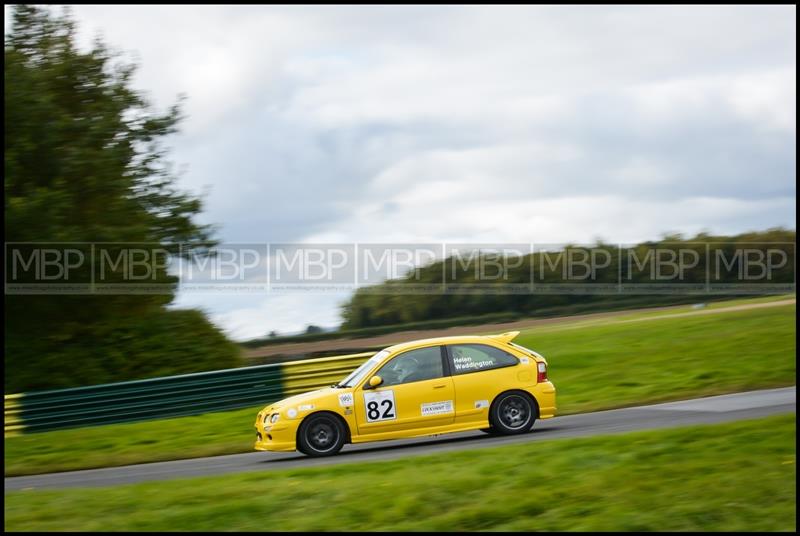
(416, 393)
(480, 373)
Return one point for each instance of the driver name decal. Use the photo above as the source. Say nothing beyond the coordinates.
(466, 363)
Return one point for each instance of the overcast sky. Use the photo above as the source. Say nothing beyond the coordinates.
(470, 124)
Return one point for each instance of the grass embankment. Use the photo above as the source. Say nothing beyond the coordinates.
(636, 360)
(594, 367)
(730, 477)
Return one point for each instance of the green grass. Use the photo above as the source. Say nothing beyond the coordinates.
(594, 367)
(623, 364)
(122, 444)
(729, 477)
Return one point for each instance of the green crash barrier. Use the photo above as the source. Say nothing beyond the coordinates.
(172, 396)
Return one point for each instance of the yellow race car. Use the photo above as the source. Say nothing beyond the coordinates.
(419, 388)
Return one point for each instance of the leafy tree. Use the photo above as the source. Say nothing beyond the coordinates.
(85, 162)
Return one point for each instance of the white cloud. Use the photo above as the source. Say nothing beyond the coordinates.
(766, 98)
(577, 218)
(769, 98)
(643, 171)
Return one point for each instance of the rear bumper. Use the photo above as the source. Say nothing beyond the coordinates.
(545, 395)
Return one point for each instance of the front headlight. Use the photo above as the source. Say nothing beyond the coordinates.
(274, 418)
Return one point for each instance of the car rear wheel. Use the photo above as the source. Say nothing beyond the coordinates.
(321, 435)
(512, 413)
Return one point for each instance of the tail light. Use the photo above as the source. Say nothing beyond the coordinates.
(541, 372)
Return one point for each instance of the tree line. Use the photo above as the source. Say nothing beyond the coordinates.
(461, 287)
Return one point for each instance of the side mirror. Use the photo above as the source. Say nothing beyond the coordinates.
(375, 381)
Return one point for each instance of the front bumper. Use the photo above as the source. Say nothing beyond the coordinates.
(282, 437)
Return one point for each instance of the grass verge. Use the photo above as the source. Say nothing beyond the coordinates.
(593, 367)
(624, 364)
(729, 477)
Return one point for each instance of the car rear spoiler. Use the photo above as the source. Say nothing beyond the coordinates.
(505, 337)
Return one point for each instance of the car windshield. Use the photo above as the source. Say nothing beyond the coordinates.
(358, 374)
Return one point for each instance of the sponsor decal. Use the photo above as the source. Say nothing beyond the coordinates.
(524, 360)
(292, 413)
(305, 407)
(346, 399)
(481, 404)
(437, 408)
(380, 406)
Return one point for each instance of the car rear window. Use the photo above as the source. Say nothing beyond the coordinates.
(468, 358)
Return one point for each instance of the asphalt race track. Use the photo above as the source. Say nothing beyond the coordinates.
(709, 410)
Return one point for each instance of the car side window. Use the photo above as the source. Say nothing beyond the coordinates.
(468, 358)
(413, 366)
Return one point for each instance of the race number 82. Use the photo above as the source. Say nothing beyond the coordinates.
(380, 406)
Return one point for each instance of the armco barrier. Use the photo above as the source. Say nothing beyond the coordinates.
(172, 396)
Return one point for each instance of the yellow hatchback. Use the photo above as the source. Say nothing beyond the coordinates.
(419, 388)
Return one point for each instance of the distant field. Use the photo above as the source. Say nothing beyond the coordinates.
(616, 303)
(608, 365)
(321, 344)
(730, 477)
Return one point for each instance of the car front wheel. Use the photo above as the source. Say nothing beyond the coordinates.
(321, 435)
(512, 413)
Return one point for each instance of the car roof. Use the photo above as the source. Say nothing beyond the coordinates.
(458, 339)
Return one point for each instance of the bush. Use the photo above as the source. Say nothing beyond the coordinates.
(162, 343)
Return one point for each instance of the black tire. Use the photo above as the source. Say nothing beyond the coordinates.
(512, 413)
(321, 434)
